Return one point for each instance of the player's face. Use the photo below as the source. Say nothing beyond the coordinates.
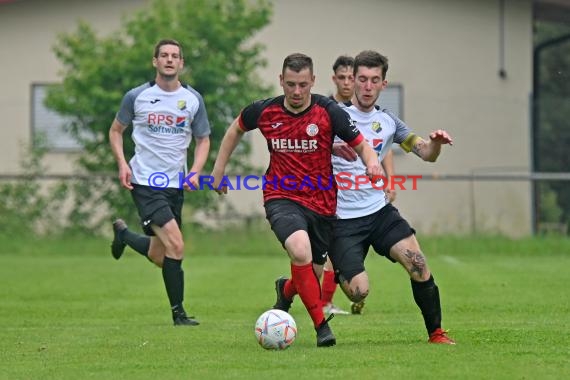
(297, 88)
(367, 88)
(344, 82)
(169, 62)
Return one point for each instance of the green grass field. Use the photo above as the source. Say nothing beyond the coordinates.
(69, 311)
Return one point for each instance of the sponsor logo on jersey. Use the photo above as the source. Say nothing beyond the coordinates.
(294, 145)
(181, 121)
(376, 127)
(377, 144)
(312, 129)
(166, 123)
(181, 104)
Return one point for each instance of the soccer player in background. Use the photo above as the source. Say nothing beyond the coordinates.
(166, 115)
(366, 218)
(299, 128)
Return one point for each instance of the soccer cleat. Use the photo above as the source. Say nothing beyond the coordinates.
(439, 336)
(325, 336)
(331, 308)
(118, 246)
(181, 319)
(356, 307)
(281, 303)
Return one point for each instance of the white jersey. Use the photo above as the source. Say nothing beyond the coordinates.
(163, 125)
(380, 128)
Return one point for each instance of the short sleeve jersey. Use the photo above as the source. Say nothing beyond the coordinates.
(300, 147)
(380, 128)
(163, 125)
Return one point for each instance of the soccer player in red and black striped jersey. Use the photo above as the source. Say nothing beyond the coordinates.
(299, 190)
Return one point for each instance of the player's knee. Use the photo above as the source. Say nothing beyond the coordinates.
(156, 257)
(358, 291)
(416, 265)
(177, 248)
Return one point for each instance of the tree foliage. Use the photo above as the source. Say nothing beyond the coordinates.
(554, 118)
(220, 59)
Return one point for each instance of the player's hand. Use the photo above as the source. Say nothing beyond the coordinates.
(125, 176)
(374, 172)
(441, 136)
(343, 150)
(217, 181)
(390, 194)
(194, 180)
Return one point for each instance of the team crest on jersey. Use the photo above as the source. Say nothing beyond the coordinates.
(312, 130)
(376, 127)
(377, 144)
(181, 105)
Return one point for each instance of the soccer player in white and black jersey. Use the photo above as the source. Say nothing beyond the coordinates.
(166, 115)
(299, 128)
(343, 79)
(366, 218)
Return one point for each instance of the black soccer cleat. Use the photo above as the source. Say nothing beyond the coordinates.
(325, 336)
(180, 318)
(118, 246)
(281, 303)
(185, 321)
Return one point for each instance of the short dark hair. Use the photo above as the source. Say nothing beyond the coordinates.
(370, 58)
(161, 43)
(297, 62)
(343, 60)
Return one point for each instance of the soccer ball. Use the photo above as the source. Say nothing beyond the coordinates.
(275, 330)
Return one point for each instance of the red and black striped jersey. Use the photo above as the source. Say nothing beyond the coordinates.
(300, 147)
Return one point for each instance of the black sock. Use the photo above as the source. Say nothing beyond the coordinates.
(426, 295)
(173, 277)
(138, 242)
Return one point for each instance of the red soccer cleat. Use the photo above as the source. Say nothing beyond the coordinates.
(439, 336)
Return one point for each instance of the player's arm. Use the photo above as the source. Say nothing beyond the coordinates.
(428, 150)
(388, 166)
(229, 142)
(370, 159)
(200, 156)
(116, 141)
(343, 150)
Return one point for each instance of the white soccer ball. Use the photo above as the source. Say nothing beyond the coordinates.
(275, 330)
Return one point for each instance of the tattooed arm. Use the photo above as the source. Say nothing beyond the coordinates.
(430, 150)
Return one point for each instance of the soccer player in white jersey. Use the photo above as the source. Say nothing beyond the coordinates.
(366, 218)
(166, 115)
(343, 79)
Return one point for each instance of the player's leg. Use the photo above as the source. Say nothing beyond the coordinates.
(348, 252)
(328, 289)
(320, 234)
(426, 292)
(401, 243)
(123, 236)
(303, 275)
(289, 223)
(161, 212)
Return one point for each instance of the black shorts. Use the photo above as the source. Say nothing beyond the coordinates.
(157, 206)
(353, 238)
(286, 216)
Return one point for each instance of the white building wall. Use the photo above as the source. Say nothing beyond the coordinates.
(445, 54)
